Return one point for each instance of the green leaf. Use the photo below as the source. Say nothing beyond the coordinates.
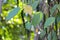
(41, 16)
(12, 13)
(58, 6)
(49, 36)
(28, 25)
(1, 31)
(54, 37)
(52, 10)
(49, 21)
(34, 5)
(42, 34)
(37, 18)
(58, 14)
(30, 2)
(58, 19)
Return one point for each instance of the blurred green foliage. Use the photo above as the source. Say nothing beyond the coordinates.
(11, 23)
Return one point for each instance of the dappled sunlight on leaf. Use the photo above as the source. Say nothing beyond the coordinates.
(18, 21)
(1, 31)
(28, 9)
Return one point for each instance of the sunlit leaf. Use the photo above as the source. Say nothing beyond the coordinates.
(1, 31)
(49, 21)
(12, 13)
(8, 38)
(4, 13)
(28, 9)
(18, 21)
(20, 4)
(11, 26)
(32, 36)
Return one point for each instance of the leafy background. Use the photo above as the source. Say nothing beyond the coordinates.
(20, 20)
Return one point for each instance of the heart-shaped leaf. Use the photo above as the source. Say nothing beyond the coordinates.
(49, 21)
(12, 13)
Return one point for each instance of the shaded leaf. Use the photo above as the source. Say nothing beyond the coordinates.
(58, 14)
(28, 25)
(52, 10)
(37, 18)
(12, 13)
(58, 6)
(42, 34)
(58, 19)
(34, 5)
(49, 36)
(54, 37)
(49, 21)
(30, 2)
